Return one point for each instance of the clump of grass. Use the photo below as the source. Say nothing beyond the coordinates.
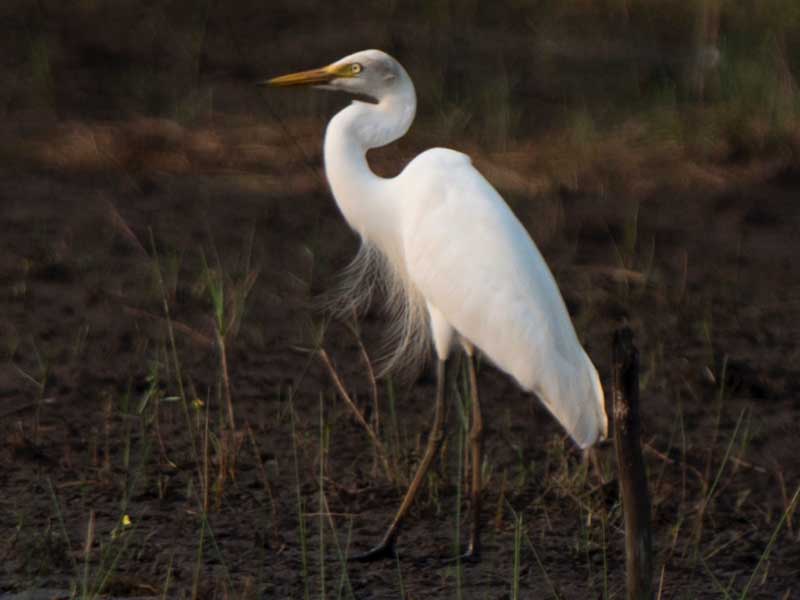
(300, 506)
(519, 535)
(773, 538)
(229, 300)
(89, 582)
(517, 555)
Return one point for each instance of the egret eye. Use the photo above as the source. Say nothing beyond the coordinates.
(356, 68)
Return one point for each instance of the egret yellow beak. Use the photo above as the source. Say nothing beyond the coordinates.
(311, 77)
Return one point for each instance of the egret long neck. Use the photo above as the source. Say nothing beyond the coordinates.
(364, 198)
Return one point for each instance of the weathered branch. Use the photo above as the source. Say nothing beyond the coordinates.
(632, 477)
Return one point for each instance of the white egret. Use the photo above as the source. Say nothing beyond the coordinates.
(463, 267)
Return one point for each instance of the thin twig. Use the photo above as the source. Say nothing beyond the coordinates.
(376, 413)
(358, 414)
(226, 381)
(660, 455)
(194, 334)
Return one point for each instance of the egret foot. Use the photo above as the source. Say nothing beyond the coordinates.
(383, 551)
(471, 556)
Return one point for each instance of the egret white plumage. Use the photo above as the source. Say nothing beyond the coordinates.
(464, 266)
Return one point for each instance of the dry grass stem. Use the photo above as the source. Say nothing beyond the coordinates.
(356, 412)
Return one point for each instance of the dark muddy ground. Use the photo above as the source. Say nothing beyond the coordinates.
(83, 329)
(697, 253)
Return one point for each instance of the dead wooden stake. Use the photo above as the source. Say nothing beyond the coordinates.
(632, 478)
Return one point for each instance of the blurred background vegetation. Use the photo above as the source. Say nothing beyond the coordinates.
(717, 77)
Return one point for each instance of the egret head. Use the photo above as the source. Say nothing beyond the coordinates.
(370, 73)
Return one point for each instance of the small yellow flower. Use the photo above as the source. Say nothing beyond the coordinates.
(126, 521)
(198, 404)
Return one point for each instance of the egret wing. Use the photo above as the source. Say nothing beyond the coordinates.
(471, 258)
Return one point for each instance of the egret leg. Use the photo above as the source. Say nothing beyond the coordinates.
(386, 548)
(476, 443)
